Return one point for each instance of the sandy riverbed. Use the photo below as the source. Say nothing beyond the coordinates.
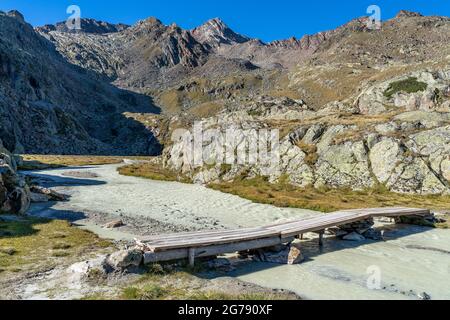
(413, 261)
(171, 204)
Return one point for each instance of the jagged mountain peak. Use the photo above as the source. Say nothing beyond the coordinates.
(218, 22)
(16, 14)
(150, 21)
(150, 25)
(215, 32)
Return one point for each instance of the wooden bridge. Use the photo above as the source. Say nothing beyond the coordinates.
(204, 244)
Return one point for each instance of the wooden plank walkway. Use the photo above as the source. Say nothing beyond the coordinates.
(202, 244)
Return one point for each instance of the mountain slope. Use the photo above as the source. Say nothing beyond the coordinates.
(50, 106)
(353, 57)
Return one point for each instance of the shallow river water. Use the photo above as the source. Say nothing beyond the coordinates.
(414, 261)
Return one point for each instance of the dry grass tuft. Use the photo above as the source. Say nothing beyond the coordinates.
(311, 152)
(153, 172)
(283, 194)
(41, 162)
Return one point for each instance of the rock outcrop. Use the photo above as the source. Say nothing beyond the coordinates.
(405, 151)
(14, 193)
(417, 91)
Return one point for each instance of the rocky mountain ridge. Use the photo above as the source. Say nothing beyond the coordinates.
(150, 55)
(152, 58)
(87, 26)
(353, 105)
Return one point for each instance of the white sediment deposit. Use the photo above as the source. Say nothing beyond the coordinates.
(179, 205)
(413, 262)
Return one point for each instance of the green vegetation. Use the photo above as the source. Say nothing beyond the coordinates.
(213, 295)
(255, 113)
(148, 292)
(153, 172)
(410, 85)
(31, 243)
(179, 285)
(283, 194)
(166, 282)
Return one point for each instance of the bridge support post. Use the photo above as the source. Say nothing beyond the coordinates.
(321, 233)
(191, 256)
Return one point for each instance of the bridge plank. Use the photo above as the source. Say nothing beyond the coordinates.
(219, 239)
(285, 230)
(197, 234)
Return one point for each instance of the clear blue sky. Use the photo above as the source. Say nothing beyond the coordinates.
(266, 20)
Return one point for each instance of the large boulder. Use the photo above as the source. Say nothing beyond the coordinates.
(428, 220)
(114, 224)
(354, 236)
(344, 165)
(14, 193)
(18, 200)
(292, 162)
(207, 176)
(384, 157)
(85, 269)
(419, 165)
(51, 195)
(286, 254)
(125, 259)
